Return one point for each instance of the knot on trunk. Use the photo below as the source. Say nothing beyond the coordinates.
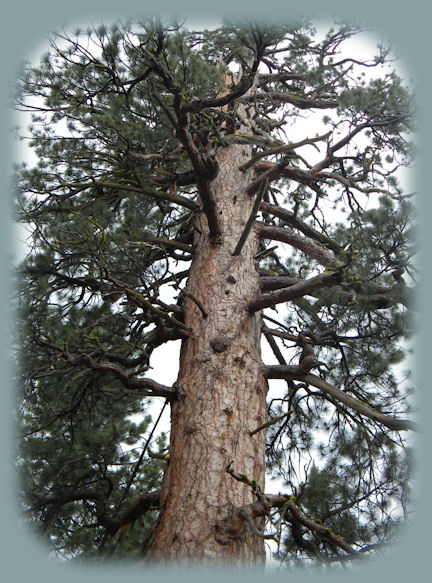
(220, 343)
(234, 526)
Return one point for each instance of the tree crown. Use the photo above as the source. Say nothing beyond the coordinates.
(126, 124)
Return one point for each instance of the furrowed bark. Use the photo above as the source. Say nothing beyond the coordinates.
(221, 389)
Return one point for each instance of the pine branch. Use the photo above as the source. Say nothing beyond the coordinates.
(271, 422)
(319, 253)
(291, 219)
(374, 297)
(141, 189)
(205, 171)
(270, 283)
(251, 219)
(273, 345)
(140, 300)
(280, 148)
(297, 290)
(144, 385)
(269, 172)
(321, 530)
(292, 372)
(141, 457)
(196, 301)
(302, 102)
(142, 504)
(264, 79)
(238, 91)
(163, 242)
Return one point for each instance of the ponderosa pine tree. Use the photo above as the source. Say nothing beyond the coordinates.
(215, 188)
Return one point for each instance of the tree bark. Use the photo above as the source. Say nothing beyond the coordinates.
(221, 388)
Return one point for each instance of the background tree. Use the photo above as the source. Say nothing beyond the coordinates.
(188, 188)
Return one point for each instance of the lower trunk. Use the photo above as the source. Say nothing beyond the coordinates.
(222, 392)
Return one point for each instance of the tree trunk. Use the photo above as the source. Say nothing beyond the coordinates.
(222, 391)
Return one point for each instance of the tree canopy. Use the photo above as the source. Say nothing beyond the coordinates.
(126, 123)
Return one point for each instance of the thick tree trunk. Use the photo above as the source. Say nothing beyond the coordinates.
(222, 391)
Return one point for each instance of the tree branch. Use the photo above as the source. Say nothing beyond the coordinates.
(292, 372)
(239, 90)
(205, 170)
(295, 291)
(276, 147)
(289, 511)
(270, 283)
(320, 254)
(321, 530)
(374, 297)
(143, 504)
(250, 221)
(291, 219)
(271, 422)
(148, 386)
(141, 189)
(297, 100)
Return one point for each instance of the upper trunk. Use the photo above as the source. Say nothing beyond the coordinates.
(222, 390)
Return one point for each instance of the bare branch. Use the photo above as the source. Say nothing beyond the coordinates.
(291, 219)
(295, 291)
(301, 102)
(249, 222)
(277, 234)
(320, 529)
(205, 171)
(292, 372)
(271, 422)
(144, 385)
